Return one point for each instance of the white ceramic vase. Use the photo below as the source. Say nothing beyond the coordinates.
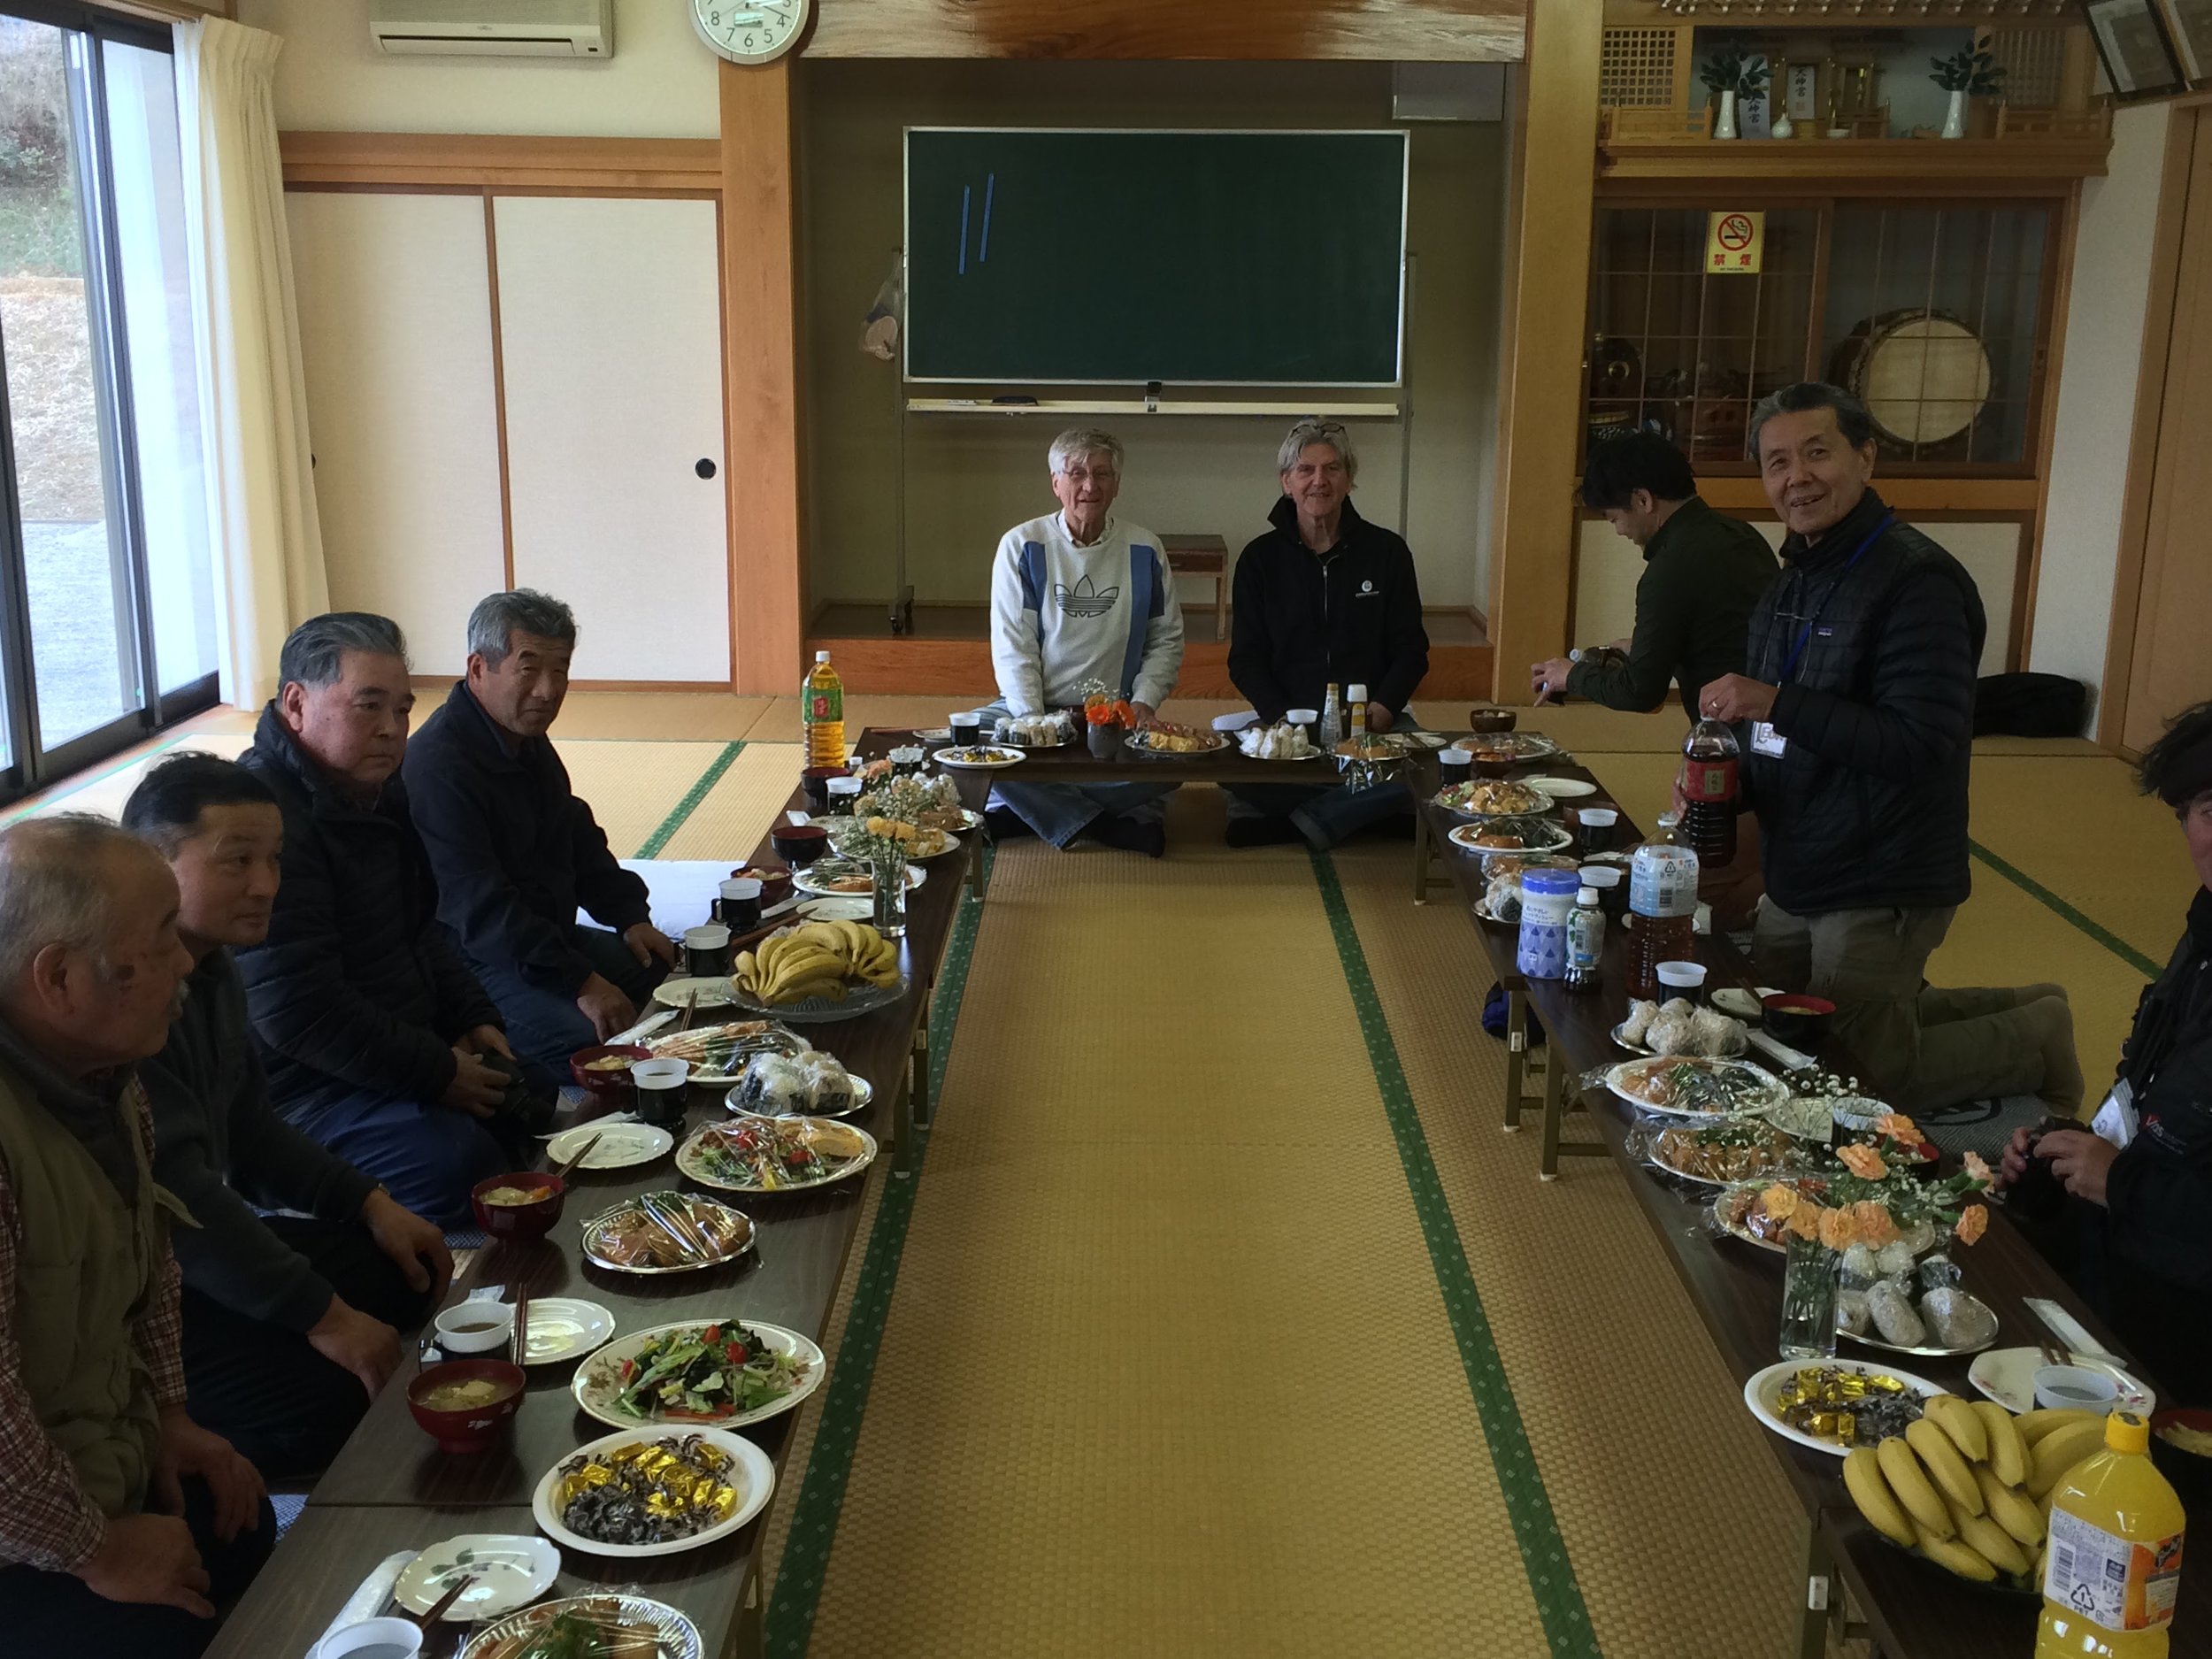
(1784, 128)
(1724, 127)
(1954, 117)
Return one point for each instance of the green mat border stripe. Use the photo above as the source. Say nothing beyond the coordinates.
(2051, 901)
(797, 1592)
(1551, 1575)
(650, 847)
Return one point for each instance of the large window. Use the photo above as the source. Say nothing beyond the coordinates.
(107, 598)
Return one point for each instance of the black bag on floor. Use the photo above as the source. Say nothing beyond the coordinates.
(1494, 1018)
(2030, 705)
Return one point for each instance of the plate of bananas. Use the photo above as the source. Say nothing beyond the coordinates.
(819, 971)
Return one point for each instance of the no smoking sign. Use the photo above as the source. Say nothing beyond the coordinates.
(1733, 243)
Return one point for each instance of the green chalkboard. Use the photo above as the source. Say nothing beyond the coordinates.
(1267, 258)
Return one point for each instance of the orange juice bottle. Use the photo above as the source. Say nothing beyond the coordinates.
(2112, 1562)
(822, 711)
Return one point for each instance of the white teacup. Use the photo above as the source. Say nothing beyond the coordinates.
(2074, 1388)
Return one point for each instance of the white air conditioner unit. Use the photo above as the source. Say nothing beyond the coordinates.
(493, 28)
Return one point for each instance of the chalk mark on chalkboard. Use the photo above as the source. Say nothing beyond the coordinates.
(983, 245)
(962, 270)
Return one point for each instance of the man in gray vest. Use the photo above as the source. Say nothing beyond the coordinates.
(126, 1522)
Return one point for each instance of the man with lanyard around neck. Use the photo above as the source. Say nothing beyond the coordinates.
(1859, 708)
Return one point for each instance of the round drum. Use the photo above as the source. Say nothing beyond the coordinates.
(1924, 374)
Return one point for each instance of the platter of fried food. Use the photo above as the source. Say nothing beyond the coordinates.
(666, 1233)
(1525, 745)
(1164, 738)
(1493, 797)
(718, 1054)
(1964, 1485)
(848, 877)
(1719, 1155)
(977, 757)
(1833, 1405)
(606, 1625)
(1511, 834)
(1696, 1086)
(775, 1154)
(920, 841)
(820, 971)
(649, 1492)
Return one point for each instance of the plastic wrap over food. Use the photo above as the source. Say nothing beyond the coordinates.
(1938, 1271)
(1893, 1315)
(1956, 1319)
(1853, 1318)
(1860, 1267)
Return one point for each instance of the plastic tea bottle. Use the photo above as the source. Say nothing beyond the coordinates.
(1355, 713)
(2112, 1564)
(822, 711)
(1709, 760)
(1586, 942)
(1661, 919)
(1331, 719)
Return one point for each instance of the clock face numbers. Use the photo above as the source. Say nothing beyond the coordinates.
(750, 34)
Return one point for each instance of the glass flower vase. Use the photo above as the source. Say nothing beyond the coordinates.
(1810, 1278)
(890, 894)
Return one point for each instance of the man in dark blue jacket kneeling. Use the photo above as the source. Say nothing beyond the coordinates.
(516, 852)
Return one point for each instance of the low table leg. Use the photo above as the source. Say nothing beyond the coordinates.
(1554, 1096)
(1420, 855)
(1516, 1056)
(1821, 1590)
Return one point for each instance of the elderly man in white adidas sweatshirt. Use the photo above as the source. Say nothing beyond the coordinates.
(1076, 595)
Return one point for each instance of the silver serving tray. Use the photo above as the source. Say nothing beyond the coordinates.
(752, 1239)
(679, 1636)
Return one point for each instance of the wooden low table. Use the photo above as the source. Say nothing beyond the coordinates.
(390, 1488)
(1912, 1609)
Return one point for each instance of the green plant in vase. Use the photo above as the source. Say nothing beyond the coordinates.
(1735, 72)
(1972, 73)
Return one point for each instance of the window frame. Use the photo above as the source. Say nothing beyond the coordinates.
(34, 766)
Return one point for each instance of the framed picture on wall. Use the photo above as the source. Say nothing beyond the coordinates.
(2189, 26)
(1798, 86)
(2132, 43)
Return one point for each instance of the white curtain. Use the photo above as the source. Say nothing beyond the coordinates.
(253, 397)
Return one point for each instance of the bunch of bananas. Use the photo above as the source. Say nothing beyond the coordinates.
(1969, 1485)
(817, 959)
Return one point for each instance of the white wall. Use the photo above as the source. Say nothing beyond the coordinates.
(661, 83)
(2096, 402)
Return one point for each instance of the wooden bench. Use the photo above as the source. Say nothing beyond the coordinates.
(1203, 556)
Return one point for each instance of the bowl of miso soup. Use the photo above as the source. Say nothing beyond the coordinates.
(462, 1403)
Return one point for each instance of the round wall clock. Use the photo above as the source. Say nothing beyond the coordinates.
(752, 34)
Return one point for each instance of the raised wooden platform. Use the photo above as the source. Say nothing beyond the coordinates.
(950, 652)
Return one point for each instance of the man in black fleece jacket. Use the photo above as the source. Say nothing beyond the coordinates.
(515, 851)
(290, 1321)
(1860, 705)
(378, 1040)
(1323, 599)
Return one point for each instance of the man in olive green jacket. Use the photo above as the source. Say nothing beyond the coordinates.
(125, 1523)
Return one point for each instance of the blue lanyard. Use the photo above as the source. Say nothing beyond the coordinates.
(1805, 636)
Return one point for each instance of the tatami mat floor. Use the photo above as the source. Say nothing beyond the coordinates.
(1165, 1351)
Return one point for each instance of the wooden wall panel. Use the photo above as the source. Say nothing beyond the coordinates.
(760, 346)
(475, 161)
(396, 331)
(1436, 31)
(1555, 141)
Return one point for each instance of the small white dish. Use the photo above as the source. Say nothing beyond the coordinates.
(718, 991)
(477, 1325)
(1738, 1003)
(565, 1328)
(837, 909)
(372, 1639)
(510, 1571)
(621, 1146)
(2007, 1375)
(1562, 788)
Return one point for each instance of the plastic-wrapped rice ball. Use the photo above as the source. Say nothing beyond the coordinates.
(1956, 1319)
(1712, 1032)
(1894, 1315)
(1860, 1265)
(775, 1083)
(1670, 1034)
(1853, 1315)
(1642, 1012)
(1677, 1005)
(1895, 1258)
(831, 1089)
(1503, 897)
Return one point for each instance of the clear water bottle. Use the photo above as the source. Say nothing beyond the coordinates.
(1331, 719)
(1709, 764)
(1586, 942)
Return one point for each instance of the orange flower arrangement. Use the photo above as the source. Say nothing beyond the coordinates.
(1863, 1162)
(1972, 1223)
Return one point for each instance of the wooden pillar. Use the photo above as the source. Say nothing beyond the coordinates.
(762, 409)
(1553, 176)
